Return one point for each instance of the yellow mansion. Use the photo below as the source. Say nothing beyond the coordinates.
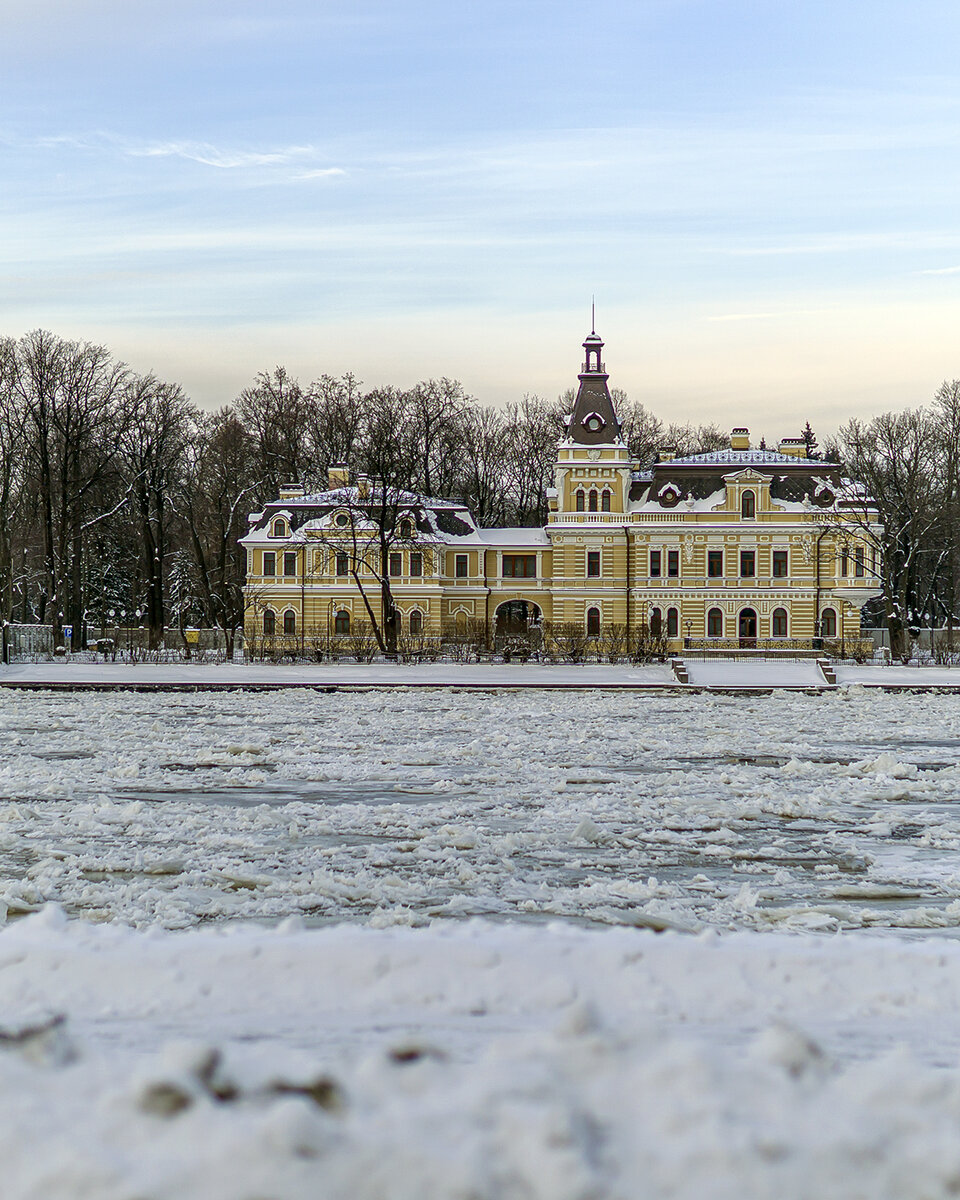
(738, 547)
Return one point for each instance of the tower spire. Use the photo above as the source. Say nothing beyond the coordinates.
(593, 420)
(593, 315)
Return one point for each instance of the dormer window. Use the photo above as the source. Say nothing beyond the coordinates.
(748, 506)
(405, 529)
(279, 528)
(341, 520)
(594, 422)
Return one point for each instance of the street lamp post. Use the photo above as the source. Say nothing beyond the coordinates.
(330, 607)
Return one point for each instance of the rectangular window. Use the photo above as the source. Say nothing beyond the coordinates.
(416, 562)
(673, 564)
(654, 564)
(748, 564)
(343, 563)
(460, 566)
(858, 563)
(780, 564)
(593, 564)
(396, 564)
(844, 561)
(714, 563)
(519, 566)
(290, 562)
(269, 562)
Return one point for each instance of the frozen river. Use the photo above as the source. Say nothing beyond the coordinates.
(787, 811)
(557, 1049)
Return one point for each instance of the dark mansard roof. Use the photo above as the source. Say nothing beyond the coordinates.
(698, 476)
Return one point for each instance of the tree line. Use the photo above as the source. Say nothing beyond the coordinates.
(909, 462)
(121, 501)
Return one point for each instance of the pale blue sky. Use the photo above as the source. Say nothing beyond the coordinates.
(765, 197)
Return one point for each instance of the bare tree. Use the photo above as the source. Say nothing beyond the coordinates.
(152, 454)
(275, 415)
(894, 460)
(71, 393)
(219, 485)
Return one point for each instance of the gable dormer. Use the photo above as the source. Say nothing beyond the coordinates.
(747, 494)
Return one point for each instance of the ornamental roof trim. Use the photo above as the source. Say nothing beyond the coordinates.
(743, 457)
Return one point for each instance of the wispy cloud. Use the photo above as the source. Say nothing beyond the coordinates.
(209, 155)
(320, 173)
(226, 158)
(941, 271)
(759, 316)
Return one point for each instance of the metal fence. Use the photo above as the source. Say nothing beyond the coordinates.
(746, 649)
(118, 643)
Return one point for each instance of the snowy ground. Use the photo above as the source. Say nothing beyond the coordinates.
(335, 674)
(556, 1048)
(711, 673)
(757, 673)
(475, 1061)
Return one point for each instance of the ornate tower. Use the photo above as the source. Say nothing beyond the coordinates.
(593, 469)
(593, 421)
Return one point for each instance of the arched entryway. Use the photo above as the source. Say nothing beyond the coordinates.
(515, 619)
(747, 627)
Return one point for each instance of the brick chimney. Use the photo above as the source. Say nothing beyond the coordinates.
(338, 476)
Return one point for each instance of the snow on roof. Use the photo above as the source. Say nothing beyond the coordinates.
(351, 495)
(515, 537)
(754, 457)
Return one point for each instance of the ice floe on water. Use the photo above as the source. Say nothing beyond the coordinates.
(407, 806)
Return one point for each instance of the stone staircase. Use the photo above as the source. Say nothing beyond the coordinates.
(679, 668)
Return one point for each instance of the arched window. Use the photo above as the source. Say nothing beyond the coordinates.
(269, 622)
(279, 528)
(289, 623)
(778, 624)
(593, 500)
(341, 622)
(715, 623)
(605, 502)
(656, 622)
(828, 623)
(416, 623)
(748, 506)
(581, 500)
(405, 528)
(593, 622)
(673, 623)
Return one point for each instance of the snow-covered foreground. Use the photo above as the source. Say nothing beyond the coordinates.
(784, 811)
(477, 1061)
(536, 1053)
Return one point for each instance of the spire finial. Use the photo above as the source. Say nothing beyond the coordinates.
(593, 315)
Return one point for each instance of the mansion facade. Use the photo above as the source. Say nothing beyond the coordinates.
(740, 546)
